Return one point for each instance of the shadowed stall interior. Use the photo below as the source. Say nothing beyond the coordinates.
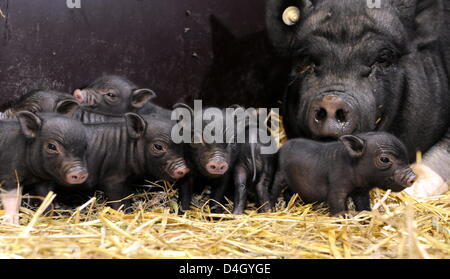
(214, 50)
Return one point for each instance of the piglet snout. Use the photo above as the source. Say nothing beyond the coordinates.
(76, 176)
(180, 172)
(79, 95)
(217, 167)
(405, 177)
(411, 180)
(85, 97)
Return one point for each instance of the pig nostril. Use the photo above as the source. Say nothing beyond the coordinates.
(341, 116)
(321, 114)
(213, 167)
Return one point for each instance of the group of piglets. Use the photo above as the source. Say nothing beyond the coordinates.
(91, 140)
(110, 134)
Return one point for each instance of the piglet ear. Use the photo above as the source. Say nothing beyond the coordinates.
(141, 96)
(181, 105)
(136, 125)
(30, 123)
(355, 146)
(67, 107)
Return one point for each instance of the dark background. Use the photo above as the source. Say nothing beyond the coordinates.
(183, 49)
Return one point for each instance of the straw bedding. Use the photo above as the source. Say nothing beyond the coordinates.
(398, 227)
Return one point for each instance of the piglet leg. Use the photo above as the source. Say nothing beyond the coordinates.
(361, 200)
(240, 193)
(218, 192)
(116, 193)
(262, 189)
(42, 190)
(278, 184)
(337, 201)
(11, 202)
(186, 190)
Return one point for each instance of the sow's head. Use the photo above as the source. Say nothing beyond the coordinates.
(350, 59)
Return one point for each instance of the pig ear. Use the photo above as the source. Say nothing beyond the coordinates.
(425, 17)
(181, 105)
(136, 125)
(282, 21)
(141, 96)
(355, 146)
(67, 107)
(236, 106)
(30, 123)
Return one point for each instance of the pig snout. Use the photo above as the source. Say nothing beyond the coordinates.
(79, 95)
(217, 167)
(331, 116)
(84, 97)
(77, 175)
(178, 170)
(405, 177)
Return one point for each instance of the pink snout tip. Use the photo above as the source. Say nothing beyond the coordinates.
(216, 167)
(78, 95)
(180, 173)
(76, 177)
(411, 180)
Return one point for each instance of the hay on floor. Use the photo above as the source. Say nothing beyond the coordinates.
(398, 227)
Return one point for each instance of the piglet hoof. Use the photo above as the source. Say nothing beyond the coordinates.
(428, 184)
(238, 211)
(182, 210)
(346, 214)
(265, 209)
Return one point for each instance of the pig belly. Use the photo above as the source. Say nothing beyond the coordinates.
(310, 186)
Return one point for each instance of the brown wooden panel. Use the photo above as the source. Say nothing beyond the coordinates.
(162, 44)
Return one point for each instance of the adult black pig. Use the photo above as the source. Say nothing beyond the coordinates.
(356, 67)
(333, 172)
(39, 150)
(110, 97)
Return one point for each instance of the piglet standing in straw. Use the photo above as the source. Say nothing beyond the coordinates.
(351, 167)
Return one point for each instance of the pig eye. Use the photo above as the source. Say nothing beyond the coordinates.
(384, 161)
(158, 147)
(386, 58)
(52, 148)
(307, 66)
(111, 95)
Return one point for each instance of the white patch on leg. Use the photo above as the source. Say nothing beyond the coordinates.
(11, 204)
(428, 184)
